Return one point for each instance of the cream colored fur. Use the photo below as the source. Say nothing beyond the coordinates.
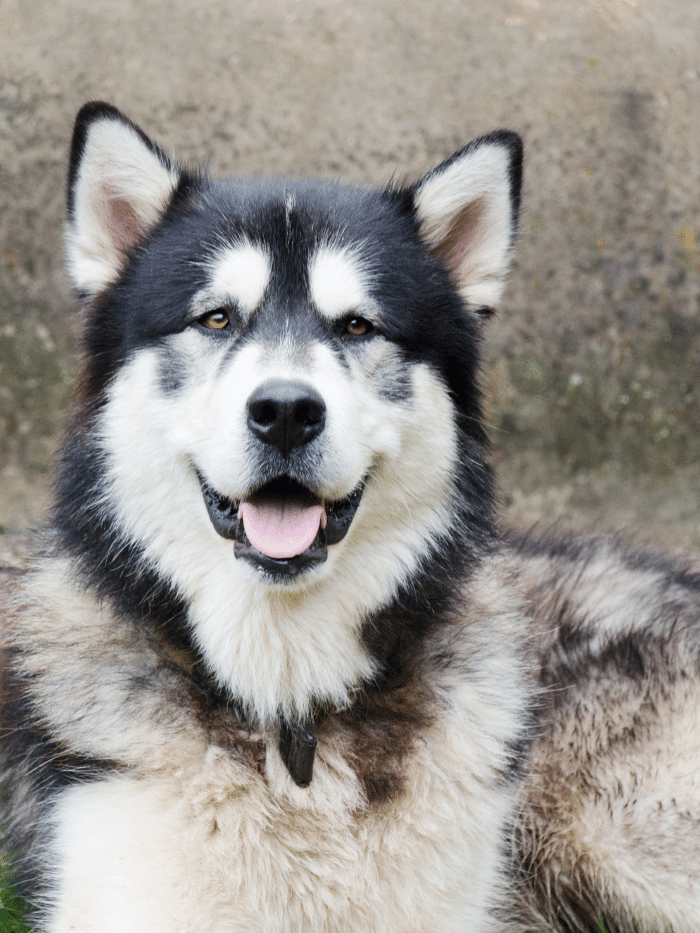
(610, 808)
(191, 838)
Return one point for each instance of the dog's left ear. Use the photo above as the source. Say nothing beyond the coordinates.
(467, 209)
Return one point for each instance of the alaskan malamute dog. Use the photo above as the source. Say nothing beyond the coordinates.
(274, 669)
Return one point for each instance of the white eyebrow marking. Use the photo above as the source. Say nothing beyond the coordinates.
(240, 272)
(337, 281)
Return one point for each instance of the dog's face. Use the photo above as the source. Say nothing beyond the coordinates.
(273, 354)
(276, 386)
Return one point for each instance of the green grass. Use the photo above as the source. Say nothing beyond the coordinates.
(12, 909)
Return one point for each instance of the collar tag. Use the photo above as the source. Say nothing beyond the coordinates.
(298, 749)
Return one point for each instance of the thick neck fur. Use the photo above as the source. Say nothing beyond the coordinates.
(281, 652)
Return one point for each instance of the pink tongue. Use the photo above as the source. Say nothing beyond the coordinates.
(281, 529)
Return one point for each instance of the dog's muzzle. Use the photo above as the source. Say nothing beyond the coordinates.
(283, 527)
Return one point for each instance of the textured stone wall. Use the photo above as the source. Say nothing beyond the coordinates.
(593, 366)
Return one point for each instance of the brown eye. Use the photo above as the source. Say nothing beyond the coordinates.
(358, 327)
(215, 320)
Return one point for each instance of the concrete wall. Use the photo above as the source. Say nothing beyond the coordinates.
(593, 365)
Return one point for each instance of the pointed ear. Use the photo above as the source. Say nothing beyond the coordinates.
(119, 185)
(467, 209)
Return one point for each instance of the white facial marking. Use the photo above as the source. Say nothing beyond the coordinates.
(337, 281)
(241, 273)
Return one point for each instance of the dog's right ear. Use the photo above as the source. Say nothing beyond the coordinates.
(119, 185)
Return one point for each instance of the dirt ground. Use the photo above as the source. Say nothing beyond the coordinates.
(592, 370)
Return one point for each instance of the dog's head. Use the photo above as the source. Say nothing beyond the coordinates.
(265, 355)
(279, 388)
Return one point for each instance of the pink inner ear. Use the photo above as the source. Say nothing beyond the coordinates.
(123, 223)
(462, 236)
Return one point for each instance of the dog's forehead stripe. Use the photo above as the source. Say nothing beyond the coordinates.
(241, 273)
(337, 281)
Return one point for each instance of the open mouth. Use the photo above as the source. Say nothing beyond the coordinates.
(283, 528)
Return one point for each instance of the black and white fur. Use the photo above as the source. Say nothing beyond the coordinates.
(300, 345)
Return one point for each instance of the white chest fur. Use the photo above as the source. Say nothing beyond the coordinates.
(221, 849)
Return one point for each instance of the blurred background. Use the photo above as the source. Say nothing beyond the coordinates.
(592, 370)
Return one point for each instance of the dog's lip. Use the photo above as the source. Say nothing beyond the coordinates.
(334, 524)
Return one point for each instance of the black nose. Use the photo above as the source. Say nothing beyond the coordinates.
(286, 414)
